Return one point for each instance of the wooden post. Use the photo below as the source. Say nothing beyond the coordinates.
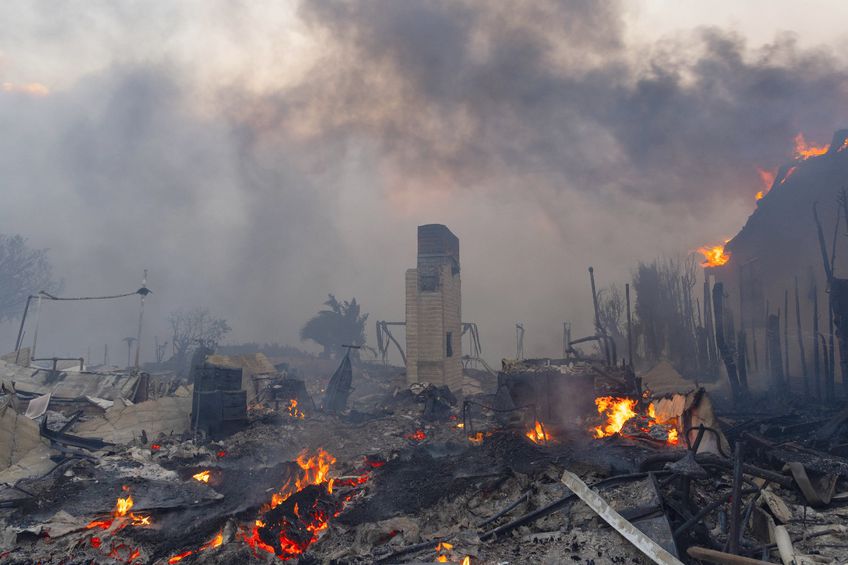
(598, 328)
(804, 372)
(723, 347)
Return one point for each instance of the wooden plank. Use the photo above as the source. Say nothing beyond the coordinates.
(713, 556)
(600, 506)
(784, 545)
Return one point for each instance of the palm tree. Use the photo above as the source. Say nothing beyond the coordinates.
(340, 324)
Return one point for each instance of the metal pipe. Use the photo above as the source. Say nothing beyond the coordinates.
(21, 329)
(35, 333)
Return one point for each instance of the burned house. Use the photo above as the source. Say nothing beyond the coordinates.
(774, 267)
(434, 310)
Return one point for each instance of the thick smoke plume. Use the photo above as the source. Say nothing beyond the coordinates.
(253, 164)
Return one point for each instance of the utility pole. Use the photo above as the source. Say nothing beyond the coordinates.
(143, 292)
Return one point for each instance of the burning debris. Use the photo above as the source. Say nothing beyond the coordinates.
(714, 256)
(581, 458)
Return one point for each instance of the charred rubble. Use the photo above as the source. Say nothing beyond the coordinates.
(547, 461)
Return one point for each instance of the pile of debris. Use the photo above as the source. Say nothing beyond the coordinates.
(551, 463)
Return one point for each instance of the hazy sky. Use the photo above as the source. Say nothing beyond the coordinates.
(255, 156)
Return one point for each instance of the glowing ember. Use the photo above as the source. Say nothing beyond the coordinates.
(221, 454)
(478, 437)
(804, 150)
(214, 542)
(460, 425)
(121, 518)
(466, 560)
(155, 447)
(374, 463)
(202, 476)
(714, 256)
(788, 174)
(538, 434)
(418, 435)
(293, 410)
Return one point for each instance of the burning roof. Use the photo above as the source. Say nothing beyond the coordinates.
(780, 231)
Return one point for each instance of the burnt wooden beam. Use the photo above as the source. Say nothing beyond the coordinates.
(715, 556)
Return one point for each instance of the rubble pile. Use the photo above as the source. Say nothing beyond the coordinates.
(412, 474)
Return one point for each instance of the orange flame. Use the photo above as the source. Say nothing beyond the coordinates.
(714, 256)
(314, 470)
(122, 515)
(804, 150)
(293, 410)
(673, 438)
(441, 548)
(214, 542)
(202, 476)
(618, 411)
(538, 434)
(767, 178)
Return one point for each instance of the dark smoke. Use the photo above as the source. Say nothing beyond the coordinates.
(543, 138)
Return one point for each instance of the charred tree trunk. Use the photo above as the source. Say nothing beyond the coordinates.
(831, 369)
(775, 361)
(816, 356)
(801, 353)
(724, 348)
(786, 337)
(754, 349)
(825, 356)
(741, 358)
(839, 301)
(766, 342)
(710, 331)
